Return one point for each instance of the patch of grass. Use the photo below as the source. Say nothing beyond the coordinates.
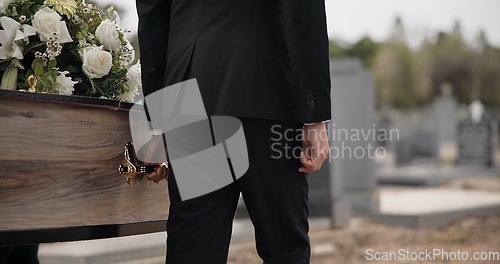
(455, 234)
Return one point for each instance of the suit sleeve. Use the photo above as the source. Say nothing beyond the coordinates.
(307, 41)
(154, 20)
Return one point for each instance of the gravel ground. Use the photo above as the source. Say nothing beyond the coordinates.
(364, 239)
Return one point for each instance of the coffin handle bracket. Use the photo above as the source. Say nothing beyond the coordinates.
(134, 169)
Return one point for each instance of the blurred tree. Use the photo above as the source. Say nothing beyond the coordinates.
(392, 70)
(454, 62)
(407, 78)
(488, 72)
(422, 72)
(398, 31)
(337, 49)
(365, 49)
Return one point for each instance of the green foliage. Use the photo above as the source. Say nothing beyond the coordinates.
(45, 58)
(489, 79)
(17, 63)
(37, 66)
(46, 75)
(111, 86)
(365, 49)
(35, 45)
(86, 20)
(407, 78)
(24, 8)
(336, 50)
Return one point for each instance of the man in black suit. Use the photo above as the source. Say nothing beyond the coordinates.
(265, 62)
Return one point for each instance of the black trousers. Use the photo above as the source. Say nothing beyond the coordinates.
(25, 254)
(275, 194)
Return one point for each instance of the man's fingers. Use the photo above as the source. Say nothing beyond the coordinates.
(315, 147)
(307, 162)
(310, 164)
(152, 176)
(305, 170)
(163, 172)
(159, 174)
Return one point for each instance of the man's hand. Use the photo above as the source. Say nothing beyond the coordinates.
(315, 147)
(154, 150)
(159, 174)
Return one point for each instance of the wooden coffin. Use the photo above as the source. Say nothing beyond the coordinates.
(59, 176)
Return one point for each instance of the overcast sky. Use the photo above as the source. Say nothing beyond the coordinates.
(350, 20)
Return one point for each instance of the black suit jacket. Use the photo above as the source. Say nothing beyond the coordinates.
(252, 58)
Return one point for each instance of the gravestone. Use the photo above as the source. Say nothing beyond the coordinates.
(404, 149)
(445, 113)
(404, 146)
(352, 177)
(477, 143)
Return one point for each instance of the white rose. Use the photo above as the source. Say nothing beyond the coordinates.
(48, 22)
(96, 62)
(108, 35)
(134, 83)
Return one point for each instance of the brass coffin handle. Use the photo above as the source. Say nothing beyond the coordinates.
(132, 167)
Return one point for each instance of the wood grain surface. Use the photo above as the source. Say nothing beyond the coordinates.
(59, 168)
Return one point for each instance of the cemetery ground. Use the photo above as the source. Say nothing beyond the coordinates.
(472, 234)
(350, 244)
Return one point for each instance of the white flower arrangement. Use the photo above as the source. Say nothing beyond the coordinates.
(64, 85)
(107, 34)
(48, 23)
(66, 47)
(96, 62)
(134, 82)
(13, 33)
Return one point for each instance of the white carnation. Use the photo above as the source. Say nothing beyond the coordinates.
(64, 84)
(96, 62)
(134, 83)
(108, 35)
